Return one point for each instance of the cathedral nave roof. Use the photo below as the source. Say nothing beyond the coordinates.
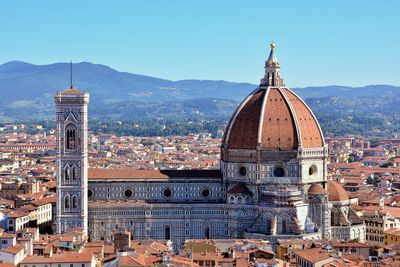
(109, 174)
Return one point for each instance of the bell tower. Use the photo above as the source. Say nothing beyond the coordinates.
(72, 159)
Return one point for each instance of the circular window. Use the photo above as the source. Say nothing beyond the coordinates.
(205, 193)
(128, 193)
(242, 171)
(279, 172)
(167, 193)
(312, 170)
(90, 193)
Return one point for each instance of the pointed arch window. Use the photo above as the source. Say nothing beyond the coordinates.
(167, 233)
(207, 233)
(74, 202)
(283, 222)
(70, 137)
(334, 217)
(284, 226)
(273, 79)
(74, 173)
(67, 174)
(67, 202)
(268, 225)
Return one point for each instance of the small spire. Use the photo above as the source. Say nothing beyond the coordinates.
(70, 72)
(272, 58)
(71, 90)
(272, 66)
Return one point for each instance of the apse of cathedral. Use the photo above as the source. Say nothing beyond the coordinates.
(272, 183)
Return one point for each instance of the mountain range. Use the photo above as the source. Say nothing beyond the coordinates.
(27, 94)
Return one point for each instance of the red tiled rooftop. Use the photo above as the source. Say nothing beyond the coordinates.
(151, 174)
(12, 249)
(312, 255)
(59, 258)
(71, 91)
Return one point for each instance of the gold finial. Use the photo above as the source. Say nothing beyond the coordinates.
(272, 45)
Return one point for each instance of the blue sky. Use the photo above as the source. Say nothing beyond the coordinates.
(318, 42)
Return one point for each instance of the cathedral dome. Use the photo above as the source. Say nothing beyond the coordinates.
(336, 192)
(316, 189)
(273, 117)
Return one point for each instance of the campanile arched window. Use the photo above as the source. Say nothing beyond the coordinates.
(74, 173)
(66, 202)
(74, 202)
(67, 174)
(70, 137)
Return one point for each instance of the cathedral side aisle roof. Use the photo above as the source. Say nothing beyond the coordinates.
(108, 174)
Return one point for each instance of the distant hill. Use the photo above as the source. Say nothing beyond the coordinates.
(27, 94)
(21, 80)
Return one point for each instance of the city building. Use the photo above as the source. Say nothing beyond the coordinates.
(272, 183)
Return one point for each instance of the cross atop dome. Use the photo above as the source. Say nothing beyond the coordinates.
(272, 67)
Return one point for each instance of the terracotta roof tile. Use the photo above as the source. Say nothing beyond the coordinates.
(12, 249)
(59, 258)
(71, 91)
(313, 255)
(316, 189)
(311, 135)
(245, 126)
(152, 174)
(284, 115)
(278, 129)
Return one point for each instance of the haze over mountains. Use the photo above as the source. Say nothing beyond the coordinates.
(27, 94)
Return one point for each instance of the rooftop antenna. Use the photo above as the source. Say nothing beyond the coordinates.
(70, 72)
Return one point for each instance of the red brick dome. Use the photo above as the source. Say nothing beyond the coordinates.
(336, 192)
(316, 189)
(273, 118)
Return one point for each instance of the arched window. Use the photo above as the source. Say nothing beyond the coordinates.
(334, 217)
(167, 233)
(284, 226)
(66, 174)
(70, 137)
(74, 173)
(207, 233)
(268, 225)
(74, 202)
(66, 202)
(273, 79)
